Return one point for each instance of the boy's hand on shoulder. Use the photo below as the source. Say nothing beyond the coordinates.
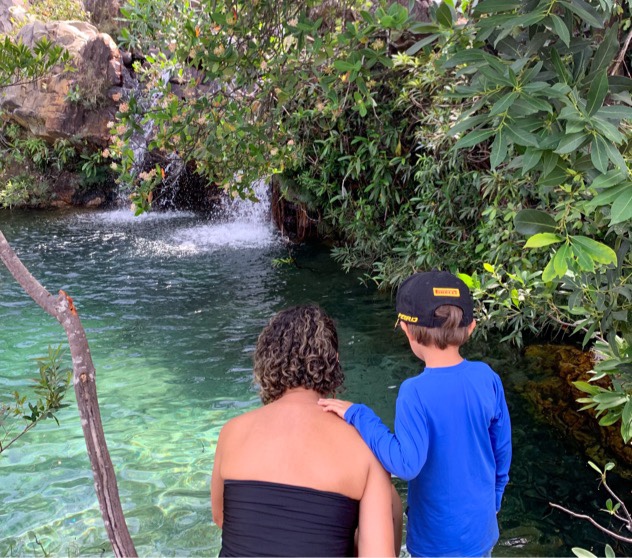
(337, 406)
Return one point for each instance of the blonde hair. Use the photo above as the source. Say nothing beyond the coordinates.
(449, 333)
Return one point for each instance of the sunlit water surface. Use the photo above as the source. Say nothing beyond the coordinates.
(173, 304)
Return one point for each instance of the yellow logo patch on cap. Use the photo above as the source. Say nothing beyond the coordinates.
(406, 318)
(441, 291)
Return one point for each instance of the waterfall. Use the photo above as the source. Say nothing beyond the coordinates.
(241, 224)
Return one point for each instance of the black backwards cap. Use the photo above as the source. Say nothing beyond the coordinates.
(422, 293)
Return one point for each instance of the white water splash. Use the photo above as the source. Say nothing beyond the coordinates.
(127, 216)
(244, 224)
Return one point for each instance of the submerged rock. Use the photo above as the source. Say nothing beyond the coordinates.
(555, 396)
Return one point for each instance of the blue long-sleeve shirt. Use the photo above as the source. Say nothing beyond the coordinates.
(452, 442)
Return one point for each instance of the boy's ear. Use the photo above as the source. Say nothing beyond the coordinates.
(471, 327)
(404, 327)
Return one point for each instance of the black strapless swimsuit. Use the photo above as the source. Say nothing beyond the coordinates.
(272, 519)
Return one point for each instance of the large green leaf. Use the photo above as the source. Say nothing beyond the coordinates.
(622, 207)
(530, 159)
(620, 84)
(521, 136)
(496, 6)
(560, 68)
(598, 251)
(597, 92)
(584, 11)
(560, 29)
(415, 48)
(444, 15)
(556, 177)
(615, 112)
(534, 221)
(468, 123)
(571, 142)
(608, 180)
(615, 156)
(605, 53)
(543, 239)
(499, 149)
(473, 138)
(607, 197)
(560, 260)
(599, 154)
(626, 422)
(584, 260)
(548, 273)
(503, 103)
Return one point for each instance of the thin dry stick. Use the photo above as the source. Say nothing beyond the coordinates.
(621, 57)
(591, 520)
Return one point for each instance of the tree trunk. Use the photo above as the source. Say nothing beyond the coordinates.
(64, 311)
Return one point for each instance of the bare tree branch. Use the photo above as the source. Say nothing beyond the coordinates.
(591, 520)
(621, 57)
(63, 310)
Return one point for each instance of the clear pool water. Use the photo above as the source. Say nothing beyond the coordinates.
(173, 304)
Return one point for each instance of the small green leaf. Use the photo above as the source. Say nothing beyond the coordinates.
(586, 387)
(615, 156)
(582, 553)
(414, 49)
(595, 467)
(468, 123)
(543, 239)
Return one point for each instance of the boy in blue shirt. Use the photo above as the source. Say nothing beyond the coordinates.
(452, 438)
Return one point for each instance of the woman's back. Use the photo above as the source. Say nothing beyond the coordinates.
(290, 479)
(292, 441)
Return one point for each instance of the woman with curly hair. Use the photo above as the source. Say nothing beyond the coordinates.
(288, 479)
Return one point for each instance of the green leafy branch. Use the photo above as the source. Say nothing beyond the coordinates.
(51, 387)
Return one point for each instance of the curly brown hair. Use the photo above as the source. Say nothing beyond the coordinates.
(298, 348)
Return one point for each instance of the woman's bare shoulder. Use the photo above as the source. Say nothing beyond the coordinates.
(239, 423)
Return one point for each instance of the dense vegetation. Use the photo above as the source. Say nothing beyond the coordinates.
(444, 144)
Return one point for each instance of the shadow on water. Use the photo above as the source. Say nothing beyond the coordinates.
(173, 304)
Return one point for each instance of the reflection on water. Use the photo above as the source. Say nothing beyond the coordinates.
(173, 304)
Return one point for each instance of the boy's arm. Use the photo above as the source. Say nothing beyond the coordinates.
(500, 434)
(404, 453)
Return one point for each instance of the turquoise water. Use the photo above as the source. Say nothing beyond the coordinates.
(172, 304)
